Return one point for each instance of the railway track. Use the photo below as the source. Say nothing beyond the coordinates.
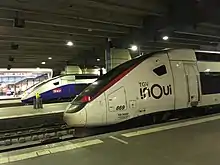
(45, 134)
(22, 138)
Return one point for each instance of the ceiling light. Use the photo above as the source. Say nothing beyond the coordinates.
(43, 62)
(207, 70)
(165, 38)
(49, 58)
(37, 68)
(98, 59)
(134, 48)
(69, 43)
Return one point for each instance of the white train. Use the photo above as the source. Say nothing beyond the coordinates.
(62, 87)
(160, 82)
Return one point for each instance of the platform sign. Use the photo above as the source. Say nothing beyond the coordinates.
(58, 90)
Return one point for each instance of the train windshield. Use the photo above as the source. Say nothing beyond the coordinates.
(35, 86)
(103, 81)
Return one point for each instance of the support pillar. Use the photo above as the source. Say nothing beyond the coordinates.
(15, 93)
(115, 57)
(108, 55)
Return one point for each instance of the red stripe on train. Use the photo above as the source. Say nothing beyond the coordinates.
(115, 80)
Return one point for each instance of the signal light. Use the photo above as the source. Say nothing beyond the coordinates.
(85, 99)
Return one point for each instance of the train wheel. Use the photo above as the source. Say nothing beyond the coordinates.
(160, 117)
(156, 118)
(166, 116)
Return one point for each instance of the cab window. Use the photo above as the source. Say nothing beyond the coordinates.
(161, 70)
(56, 83)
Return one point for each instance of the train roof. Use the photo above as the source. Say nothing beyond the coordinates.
(201, 55)
(77, 76)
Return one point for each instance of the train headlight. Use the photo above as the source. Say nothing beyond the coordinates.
(73, 108)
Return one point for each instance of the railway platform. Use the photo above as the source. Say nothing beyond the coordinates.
(10, 102)
(24, 111)
(189, 142)
(26, 116)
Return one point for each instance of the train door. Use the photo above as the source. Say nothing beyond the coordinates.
(117, 106)
(192, 79)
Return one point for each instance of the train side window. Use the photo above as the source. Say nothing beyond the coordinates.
(210, 82)
(56, 83)
(161, 70)
(207, 56)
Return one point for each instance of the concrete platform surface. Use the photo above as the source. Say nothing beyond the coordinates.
(10, 101)
(9, 97)
(26, 111)
(190, 142)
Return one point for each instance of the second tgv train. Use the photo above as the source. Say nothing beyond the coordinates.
(165, 81)
(63, 87)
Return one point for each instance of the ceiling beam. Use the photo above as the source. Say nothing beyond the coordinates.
(41, 46)
(47, 36)
(170, 44)
(96, 16)
(55, 34)
(10, 39)
(138, 8)
(201, 36)
(54, 20)
(37, 53)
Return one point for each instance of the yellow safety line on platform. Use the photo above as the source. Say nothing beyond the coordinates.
(119, 140)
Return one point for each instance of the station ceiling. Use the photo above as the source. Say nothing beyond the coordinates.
(32, 31)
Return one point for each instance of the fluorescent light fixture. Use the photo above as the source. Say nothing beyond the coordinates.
(134, 48)
(165, 38)
(49, 58)
(98, 59)
(43, 62)
(207, 51)
(69, 43)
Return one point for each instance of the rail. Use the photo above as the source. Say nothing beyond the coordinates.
(22, 138)
(45, 134)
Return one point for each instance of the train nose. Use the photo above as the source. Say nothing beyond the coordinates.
(24, 98)
(77, 119)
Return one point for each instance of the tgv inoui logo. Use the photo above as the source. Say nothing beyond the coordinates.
(156, 91)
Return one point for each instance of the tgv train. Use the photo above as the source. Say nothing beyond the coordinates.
(160, 82)
(62, 87)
